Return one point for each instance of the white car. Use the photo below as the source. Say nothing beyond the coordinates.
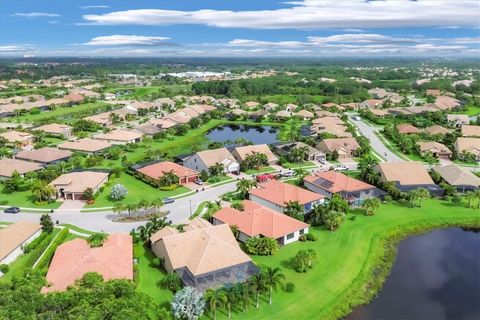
(357, 118)
(340, 168)
(288, 174)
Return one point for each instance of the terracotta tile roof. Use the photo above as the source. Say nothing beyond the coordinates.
(257, 220)
(113, 260)
(74, 97)
(470, 131)
(278, 192)
(86, 145)
(77, 182)
(8, 166)
(156, 171)
(406, 128)
(44, 155)
(446, 102)
(333, 182)
(341, 144)
(469, 145)
(242, 152)
(203, 250)
(119, 135)
(304, 114)
(13, 235)
(13, 136)
(54, 128)
(214, 156)
(436, 129)
(405, 173)
(433, 146)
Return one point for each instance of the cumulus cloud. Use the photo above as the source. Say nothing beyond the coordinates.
(128, 40)
(311, 14)
(35, 14)
(94, 7)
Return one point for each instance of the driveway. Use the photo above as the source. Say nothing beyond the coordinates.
(71, 205)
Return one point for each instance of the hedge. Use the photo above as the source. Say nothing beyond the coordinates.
(32, 245)
(44, 262)
(37, 251)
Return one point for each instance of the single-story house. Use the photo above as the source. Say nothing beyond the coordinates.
(378, 93)
(61, 130)
(86, 145)
(120, 136)
(437, 130)
(283, 114)
(468, 146)
(9, 166)
(370, 103)
(251, 104)
(446, 103)
(331, 182)
(203, 160)
(72, 185)
(407, 128)
(46, 155)
(436, 149)
(240, 153)
(314, 154)
(457, 120)
(433, 92)
(270, 106)
(407, 176)
(470, 131)
(256, 221)
(203, 256)
(72, 259)
(74, 98)
(155, 171)
(14, 237)
(305, 114)
(462, 179)
(275, 195)
(23, 139)
(345, 147)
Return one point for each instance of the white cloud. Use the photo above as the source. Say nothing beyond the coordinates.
(95, 7)
(128, 40)
(353, 30)
(15, 48)
(35, 14)
(467, 40)
(311, 14)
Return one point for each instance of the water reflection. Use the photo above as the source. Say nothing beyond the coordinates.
(255, 134)
(436, 276)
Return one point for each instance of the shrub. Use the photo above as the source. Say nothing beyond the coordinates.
(37, 251)
(387, 198)
(4, 268)
(303, 260)
(156, 262)
(262, 246)
(289, 287)
(30, 246)
(3, 202)
(302, 238)
(44, 262)
(311, 237)
(118, 192)
(169, 188)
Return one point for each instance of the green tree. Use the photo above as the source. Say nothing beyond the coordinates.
(215, 298)
(216, 170)
(259, 285)
(303, 260)
(88, 194)
(232, 298)
(371, 205)
(294, 210)
(244, 186)
(43, 191)
(237, 205)
(97, 239)
(168, 179)
(333, 219)
(273, 278)
(171, 282)
(47, 223)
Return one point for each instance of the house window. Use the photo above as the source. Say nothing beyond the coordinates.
(290, 236)
(302, 231)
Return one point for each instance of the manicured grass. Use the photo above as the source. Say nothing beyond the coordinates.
(78, 229)
(291, 165)
(137, 190)
(199, 209)
(148, 276)
(53, 141)
(25, 199)
(61, 112)
(347, 260)
(261, 170)
(221, 179)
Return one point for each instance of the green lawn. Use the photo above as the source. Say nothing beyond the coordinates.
(53, 141)
(347, 260)
(149, 276)
(137, 190)
(25, 199)
(291, 165)
(261, 170)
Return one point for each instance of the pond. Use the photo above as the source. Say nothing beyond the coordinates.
(435, 276)
(255, 134)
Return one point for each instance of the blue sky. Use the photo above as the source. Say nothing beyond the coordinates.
(240, 28)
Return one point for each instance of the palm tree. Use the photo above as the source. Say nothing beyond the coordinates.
(216, 170)
(477, 195)
(232, 297)
(371, 205)
(168, 179)
(273, 278)
(317, 214)
(97, 239)
(243, 292)
(422, 194)
(294, 210)
(215, 298)
(300, 173)
(470, 196)
(244, 185)
(42, 191)
(257, 281)
(171, 282)
(238, 206)
(118, 207)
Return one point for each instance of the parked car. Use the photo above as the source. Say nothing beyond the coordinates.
(288, 174)
(323, 161)
(340, 168)
(198, 181)
(237, 173)
(168, 200)
(13, 210)
(264, 177)
(357, 118)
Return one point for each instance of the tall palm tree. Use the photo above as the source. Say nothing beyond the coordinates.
(477, 195)
(294, 209)
(371, 205)
(215, 298)
(243, 291)
(422, 194)
(232, 298)
(238, 206)
(244, 185)
(300, 173)
(118, 207)
(273, 278)
(317, 214)
(258, 285)
(470, 196)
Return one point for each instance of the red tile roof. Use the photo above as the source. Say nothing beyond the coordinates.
(279, 193)
(155, 171)
(113, 260)
(257, 220)
(339, 182)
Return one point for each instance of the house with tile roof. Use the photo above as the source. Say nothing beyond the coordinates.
(72, 185)
(345, 147)
(205, 159)
(462, 179)
(9, 166)
(437, 130)
(154, 172)
(73, 259)
(275, 195)
(61, 130)
(331, 182)
(467, 146)
(470, 131)
(407, 128)
(435, 149)
(14, 237)
(23, 139)
(85, 145)
(256, 221)
(240, 153)
(312, 154)
(46, 155)
(203, 256)
(119, 136)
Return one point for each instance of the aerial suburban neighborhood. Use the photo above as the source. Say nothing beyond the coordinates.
(273, 160)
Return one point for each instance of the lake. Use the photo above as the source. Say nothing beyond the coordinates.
(435, 276)
(255, 134)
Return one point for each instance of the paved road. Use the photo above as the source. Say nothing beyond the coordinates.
(368, 131)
